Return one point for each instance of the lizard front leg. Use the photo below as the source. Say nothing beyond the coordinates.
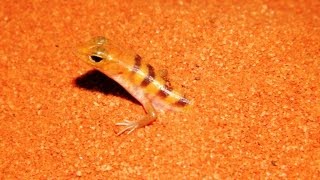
(130, 126)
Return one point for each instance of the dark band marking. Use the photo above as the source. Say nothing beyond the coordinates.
(137, 63)
(182, 102)
(150, 77)
(164, 91)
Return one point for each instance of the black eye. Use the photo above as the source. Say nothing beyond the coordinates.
(96, 58)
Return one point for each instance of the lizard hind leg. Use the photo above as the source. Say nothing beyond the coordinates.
(130, 126)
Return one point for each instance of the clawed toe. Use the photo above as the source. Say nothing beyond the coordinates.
(129, 126)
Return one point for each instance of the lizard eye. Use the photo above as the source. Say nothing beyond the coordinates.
(96, 58)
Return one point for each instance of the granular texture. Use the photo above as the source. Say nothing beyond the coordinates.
(252, 69)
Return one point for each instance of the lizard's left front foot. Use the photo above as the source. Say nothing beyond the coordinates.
(129, 126)
(146, 120)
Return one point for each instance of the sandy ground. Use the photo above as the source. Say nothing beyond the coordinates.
(250, 67)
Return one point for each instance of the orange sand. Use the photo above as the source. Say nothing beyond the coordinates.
(251, 68)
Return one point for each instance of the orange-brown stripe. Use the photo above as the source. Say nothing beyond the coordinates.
(164, 91)
(182, 102)
(150, 77)
(137, 63)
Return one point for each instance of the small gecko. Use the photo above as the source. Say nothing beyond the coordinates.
(150, 88)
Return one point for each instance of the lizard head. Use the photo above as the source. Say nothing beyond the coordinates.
(94, 52)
